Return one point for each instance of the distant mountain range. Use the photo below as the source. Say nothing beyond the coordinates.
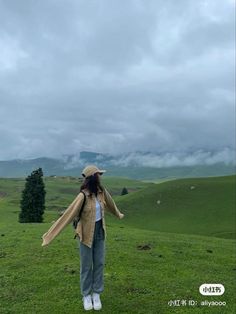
(145, 166)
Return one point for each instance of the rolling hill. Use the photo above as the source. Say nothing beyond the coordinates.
(204, 206)
(146, 267)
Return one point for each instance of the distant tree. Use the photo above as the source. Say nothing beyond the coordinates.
(33, 198)
(124, 191)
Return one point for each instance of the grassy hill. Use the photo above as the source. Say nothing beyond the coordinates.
(145, 269)
(204, 206)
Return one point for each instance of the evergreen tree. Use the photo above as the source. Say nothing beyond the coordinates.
(33, 198)
(124, 191)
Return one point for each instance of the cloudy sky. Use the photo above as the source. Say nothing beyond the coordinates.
(116, 76)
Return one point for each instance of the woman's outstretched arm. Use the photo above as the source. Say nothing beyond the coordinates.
(67, 217)
(111, 206)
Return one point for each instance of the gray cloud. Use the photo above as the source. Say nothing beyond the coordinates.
(172, 159)
(160, 160)
(116, 77)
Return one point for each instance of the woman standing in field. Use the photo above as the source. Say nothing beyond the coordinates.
(91, 202)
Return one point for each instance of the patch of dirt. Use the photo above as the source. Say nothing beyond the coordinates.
(144, 247)
(69, 270)
(209, 251)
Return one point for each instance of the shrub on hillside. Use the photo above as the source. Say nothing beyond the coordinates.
(33, 198)
(124, 191)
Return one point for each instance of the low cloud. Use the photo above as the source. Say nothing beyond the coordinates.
(165, 160)
(226, 156)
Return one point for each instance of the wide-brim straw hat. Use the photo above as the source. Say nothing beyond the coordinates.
(91, 170)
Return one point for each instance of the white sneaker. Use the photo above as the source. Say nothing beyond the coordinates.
(97, 305)
(87, 300)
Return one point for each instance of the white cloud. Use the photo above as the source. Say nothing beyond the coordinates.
(172, 159)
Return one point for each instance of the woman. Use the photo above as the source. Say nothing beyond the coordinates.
(92, 200)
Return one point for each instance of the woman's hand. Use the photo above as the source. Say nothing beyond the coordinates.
(121, 216)
(44, 241)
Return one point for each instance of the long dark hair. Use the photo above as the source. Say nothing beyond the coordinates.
(92, 184)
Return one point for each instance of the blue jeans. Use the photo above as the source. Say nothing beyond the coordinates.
(92, 262)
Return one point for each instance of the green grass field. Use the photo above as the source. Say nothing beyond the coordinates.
(204, 206)
(156, 254)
